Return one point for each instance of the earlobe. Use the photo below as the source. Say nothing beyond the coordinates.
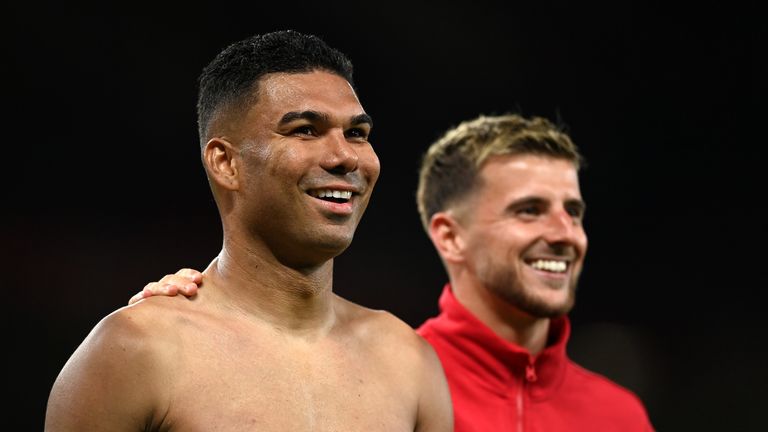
(221, 162)
(445, 232)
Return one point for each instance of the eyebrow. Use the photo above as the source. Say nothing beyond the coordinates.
(526, 200)
(315, 116)
(534, 200)
(580, 204)
(360, 119)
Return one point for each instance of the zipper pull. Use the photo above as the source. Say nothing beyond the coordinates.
(530, 373)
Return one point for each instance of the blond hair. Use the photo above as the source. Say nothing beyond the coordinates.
(450, 167)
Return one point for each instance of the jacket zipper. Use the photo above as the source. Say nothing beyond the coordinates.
(529, 377)
(520, 406)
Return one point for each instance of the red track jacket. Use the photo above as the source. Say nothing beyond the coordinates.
(498, 386)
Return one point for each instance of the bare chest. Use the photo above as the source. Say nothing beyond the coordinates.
(241, 385)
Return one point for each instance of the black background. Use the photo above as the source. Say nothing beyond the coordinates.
(104, 190)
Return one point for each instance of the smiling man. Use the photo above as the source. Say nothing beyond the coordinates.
(499, 197)
(267, 345)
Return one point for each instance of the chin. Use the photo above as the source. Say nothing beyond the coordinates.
(335, 245)
(539, 306)
(551, 308)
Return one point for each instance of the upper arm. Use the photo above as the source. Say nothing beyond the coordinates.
(110, 383)
(435, 406)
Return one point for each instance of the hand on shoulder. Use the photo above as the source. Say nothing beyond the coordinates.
(186, 281)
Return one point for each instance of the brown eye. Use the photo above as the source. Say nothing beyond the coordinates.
(303, 130)
(530, 210)
(356, 133)
(576, 212)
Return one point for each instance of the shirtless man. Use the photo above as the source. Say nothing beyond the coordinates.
(499, 197)
(267, 345)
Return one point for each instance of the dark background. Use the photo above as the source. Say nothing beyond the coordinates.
(104, 190)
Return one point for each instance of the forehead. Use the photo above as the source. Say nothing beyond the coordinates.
(321, 91)
(514, 176)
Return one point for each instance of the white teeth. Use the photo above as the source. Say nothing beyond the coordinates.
(329, 193)
(550, 265)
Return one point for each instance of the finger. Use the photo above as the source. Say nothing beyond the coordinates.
(188, 289)
(182, 284)
(160, 288)
(191, 274)
(136, 297)
(183, 277)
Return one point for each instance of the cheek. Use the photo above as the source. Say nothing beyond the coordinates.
(511, 238)
(287, 161)
(260, 158)
(583, 242)
(495, 257)
(496, 243)
(369, 164)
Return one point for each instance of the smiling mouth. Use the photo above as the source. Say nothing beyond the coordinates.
(331, 195)
(550, 266)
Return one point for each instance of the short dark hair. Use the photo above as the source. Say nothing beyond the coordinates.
(450, 167)
(230, 81)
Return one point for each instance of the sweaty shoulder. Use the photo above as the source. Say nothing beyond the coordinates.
(118, 375)
(383, 330)
(407, 361)
(393, 342)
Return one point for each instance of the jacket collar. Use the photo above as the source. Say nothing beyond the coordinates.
(503, 361)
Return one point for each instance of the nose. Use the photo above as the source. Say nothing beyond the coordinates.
(564, 229)
(340, 156)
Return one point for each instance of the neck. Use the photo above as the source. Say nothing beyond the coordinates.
(254, 283)
(506, 320)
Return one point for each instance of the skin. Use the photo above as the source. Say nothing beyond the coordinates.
(266, 345)
(526, 208)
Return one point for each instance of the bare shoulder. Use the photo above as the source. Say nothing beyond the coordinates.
(407, 360)
(382, 331)
(133, 331)
(119, 373)
(140, 328)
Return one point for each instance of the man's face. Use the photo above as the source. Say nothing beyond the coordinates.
(524, 233)
(309, 168)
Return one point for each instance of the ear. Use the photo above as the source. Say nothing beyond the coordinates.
(221, 162)
(447, 236)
